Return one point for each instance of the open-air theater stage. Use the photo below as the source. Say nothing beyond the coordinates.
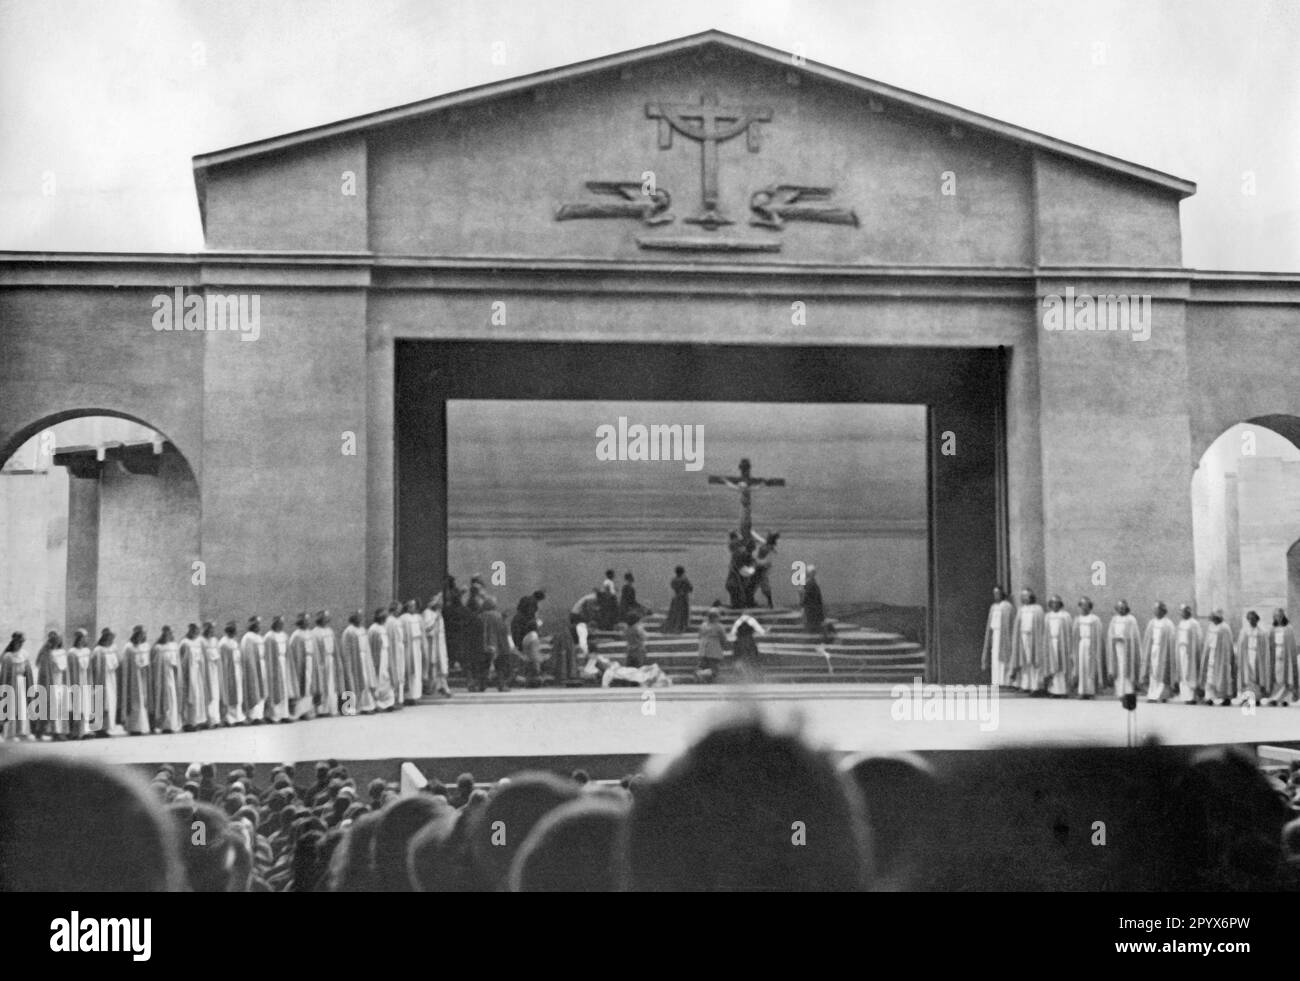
(858, 692)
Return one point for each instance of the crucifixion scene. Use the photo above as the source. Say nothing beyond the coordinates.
(824, 548)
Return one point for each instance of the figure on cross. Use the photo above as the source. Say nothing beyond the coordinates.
(745, 484)
(746, 574)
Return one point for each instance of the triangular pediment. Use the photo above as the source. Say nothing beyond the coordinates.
(705, 144)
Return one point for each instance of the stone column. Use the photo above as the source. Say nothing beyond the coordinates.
(83, 547)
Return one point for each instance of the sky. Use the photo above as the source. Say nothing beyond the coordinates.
(103, 104)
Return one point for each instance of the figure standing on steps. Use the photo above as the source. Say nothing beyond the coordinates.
(607, 598)
(814, 611)
(763, 565)
(679, 611)
(743, 634)
(712, 636)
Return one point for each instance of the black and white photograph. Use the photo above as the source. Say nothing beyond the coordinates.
(775, 446)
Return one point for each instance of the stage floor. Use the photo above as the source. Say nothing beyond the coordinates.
(577, 722)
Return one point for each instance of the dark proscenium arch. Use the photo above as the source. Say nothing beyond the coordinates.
(963, 388)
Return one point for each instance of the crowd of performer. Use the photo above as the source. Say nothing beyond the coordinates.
(1053, 652)
(276, 672)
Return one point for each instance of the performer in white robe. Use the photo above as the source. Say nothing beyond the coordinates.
(416, 656)
(1124, 651)
(252, 655)
(1029, 655)
(1253, 662)
(996, 658)
(281, 689)
(17, 675)
(1217, 662)
(194, 681)
(212, 673)
(380, 658)
(165, 660)
(304, 661)
(134, 684)
(358, 670)
(52, 675)
(435, 649)
(1089, 656)
(1159, 654)
(331, 674)
(232, 674)
(82, 688)
(1059, 675)
(1282, 661)
(396, 633)
(105, 664)
(1188, 650)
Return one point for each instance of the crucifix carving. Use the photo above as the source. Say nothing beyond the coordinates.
(708, 124)
(745, 484)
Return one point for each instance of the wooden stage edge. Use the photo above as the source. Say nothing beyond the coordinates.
(621, 725)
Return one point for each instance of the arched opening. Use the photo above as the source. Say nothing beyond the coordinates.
(99, 515)
(1246, 518)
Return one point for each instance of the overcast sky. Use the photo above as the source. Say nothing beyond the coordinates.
(112, 99)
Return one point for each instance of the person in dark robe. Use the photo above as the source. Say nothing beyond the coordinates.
(627, 602)
(524, 627)
(607, 616)
(814, 611)
(634, 633)
(763, 564)
(498, 647)
(454, 615)
(678, 620)
(735, 584)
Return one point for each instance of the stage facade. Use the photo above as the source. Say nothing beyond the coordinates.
(738, 218)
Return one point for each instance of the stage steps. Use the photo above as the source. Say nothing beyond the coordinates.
(849, 652)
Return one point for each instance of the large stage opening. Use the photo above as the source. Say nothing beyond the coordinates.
(955, 470)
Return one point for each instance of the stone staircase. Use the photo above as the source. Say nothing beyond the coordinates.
(788, 653)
